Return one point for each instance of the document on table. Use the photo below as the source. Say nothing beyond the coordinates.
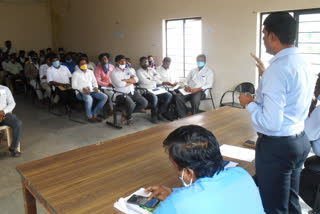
(157, 91)
(127, 208)
(237, 152)
(183, 92)
(108, 88)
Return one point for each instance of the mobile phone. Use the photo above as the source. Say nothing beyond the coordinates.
(155, 89)
(143, 201)
(250, 143)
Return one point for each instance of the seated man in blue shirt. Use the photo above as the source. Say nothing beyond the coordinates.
(209, 188)
(70, 63)
(310, 175)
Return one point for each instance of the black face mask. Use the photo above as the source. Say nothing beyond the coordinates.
(34, 59)
(144, 67)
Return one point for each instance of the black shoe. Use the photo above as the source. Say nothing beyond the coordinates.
(154, 119)
(160, 116)
(14, 153)
(169, 116)
(91, 120)
(99, 120)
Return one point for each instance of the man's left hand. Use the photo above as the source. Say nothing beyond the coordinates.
(245, 99)
(195, 90)
(96, 90)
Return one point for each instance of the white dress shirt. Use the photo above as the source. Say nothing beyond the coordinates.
(117, 75)
(81, 80)
(167, 75)
(11, 51)
(7, 102)
(14, 68)
(148, 79)
(200, 79)
(43, 72)
(60, 75)
(284, 95)
(312, 129)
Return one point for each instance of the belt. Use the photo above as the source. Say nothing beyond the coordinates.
(260, 135)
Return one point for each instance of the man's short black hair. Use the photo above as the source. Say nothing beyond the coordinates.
(196, 148)
(22, 52)
(82, 58)
(119, 57)
(49, 49)
(150, 56)
(32, 53)
(128, 59)
(60, 49)
(104, 55)
(143, 58)
(53, 56)
(283, 25)
(166, 59)
(202, 56)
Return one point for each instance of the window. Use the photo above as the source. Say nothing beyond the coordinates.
(183, 43)
(308, 37)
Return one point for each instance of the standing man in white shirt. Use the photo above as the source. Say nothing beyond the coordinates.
(310, 175)
(198, 80)
(43, 77)
(59, 76)
(282, 104)
(122, 80)
(149, 79)
(7, 105)
(85, 82)
(8, 49)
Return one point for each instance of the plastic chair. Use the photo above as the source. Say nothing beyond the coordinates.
(7, 131)
(241, 88)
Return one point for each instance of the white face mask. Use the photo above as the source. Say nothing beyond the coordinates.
(122, 66)
(183, 182)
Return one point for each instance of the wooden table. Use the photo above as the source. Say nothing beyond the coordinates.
(92, 178)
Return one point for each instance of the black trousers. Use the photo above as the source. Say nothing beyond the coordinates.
(310, 180)
(131, 103)
(194, 99)
(67, 97)
(279, 162)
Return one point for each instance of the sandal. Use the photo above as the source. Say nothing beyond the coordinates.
(14, 153)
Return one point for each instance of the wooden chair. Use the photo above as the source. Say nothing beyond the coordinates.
(7, 131)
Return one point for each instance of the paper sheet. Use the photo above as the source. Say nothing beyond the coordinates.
(174, 88)
(183, 92)
(108, 88)
(157, 91)
(237, 152)
(231, 164)
(124, 207)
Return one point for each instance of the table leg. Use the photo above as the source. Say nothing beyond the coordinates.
(29, 201)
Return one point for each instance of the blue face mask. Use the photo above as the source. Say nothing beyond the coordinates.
(69, 61)
(318, 97)
(56, 64)
(183, 182)
(200, 64)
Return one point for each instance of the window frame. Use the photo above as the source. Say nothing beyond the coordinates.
(296, 14)
(184, 48)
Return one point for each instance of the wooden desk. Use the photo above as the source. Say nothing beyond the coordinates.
(92, 178)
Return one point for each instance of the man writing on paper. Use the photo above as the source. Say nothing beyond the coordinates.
(282, 103)
(149, 79)
(198, 80)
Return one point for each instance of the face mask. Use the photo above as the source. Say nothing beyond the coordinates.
(144, 67)
(69, 60)
(151, 63)
(128, 66)
(84, 67)
(184, 183)
(318, 97)
(56, 64)
(122, 66)
(35, 60)
(200, 64)
(42, 59)
(22, 59)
